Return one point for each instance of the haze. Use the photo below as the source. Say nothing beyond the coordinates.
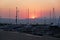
(36, 7)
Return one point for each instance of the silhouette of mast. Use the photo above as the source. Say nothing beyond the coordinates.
(9, 15)
(41, 16)
(34, 18)
(44, 18)
(16, 15)
(50, 17)
(0, 18)
(28, 16)
(54, 15)
(0, 15)
(59, 21)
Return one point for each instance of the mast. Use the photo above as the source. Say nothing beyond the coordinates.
(9, 15)
(54, 15)
(44, 18)
(0, 15)
(28, 16)
(59, 21)
(16, 15)
(34, 16)
(0, 19)
(41, 16)
(50, 17)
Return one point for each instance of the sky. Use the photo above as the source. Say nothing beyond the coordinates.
(37, 8)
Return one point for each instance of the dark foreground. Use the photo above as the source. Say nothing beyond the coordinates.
(6, 35)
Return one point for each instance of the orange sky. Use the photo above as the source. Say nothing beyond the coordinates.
(35, 7)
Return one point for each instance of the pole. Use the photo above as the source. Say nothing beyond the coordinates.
(54, 16)
(28, 16)
(16, 15)
(9, 15)
(50, 17)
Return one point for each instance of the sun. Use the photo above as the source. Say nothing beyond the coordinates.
(33, 17)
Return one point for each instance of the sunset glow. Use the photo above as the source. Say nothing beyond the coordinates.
(38, 5)
(33, 17)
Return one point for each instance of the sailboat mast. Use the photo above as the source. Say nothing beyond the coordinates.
(50, 17)
(41, 16)
(54, 15)
(0, 15)
(16, 15)
(9, 15)
(59, 21)
(28, 16)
